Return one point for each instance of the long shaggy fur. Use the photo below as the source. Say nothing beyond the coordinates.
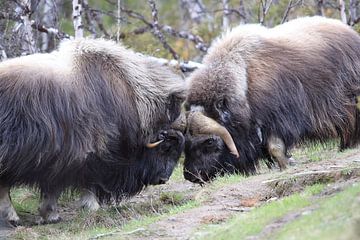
(296, 81)
(81, 116)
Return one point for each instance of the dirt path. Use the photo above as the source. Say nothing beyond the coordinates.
(253, 191)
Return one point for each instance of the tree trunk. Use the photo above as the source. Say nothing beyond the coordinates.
(50, 20)
(226, 21)
(242, 11)
(3, 55)
(353, 11)
(320, 8)
(77, 11)
(342, 11)
(28, 45)
(195, 10)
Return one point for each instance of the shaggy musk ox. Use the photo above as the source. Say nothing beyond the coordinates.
(92, 115)
(263, 90)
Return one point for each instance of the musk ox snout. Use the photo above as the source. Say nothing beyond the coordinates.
(164, 157)
(201, 157)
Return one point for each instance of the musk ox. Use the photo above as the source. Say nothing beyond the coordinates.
(92, 115)
(263, 90)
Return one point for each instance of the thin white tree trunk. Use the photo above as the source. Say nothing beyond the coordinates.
(118, 20)
(77, 21)
(353, 11)
(342, 11)
(242, 11)
(29, 42)
(49, 20)
(320, 8)
(3, 55)
(226, 21)
(195, 9)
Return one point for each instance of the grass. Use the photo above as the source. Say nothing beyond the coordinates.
(126, 217)
(177, 174)
(81, 224)
(337, 217)
(334, 217)
(253, 222)
(227, 179)
(316, 151)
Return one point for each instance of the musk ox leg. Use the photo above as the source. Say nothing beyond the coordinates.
(277, 150)
(48, 208)
(88, 200)
(7, 211)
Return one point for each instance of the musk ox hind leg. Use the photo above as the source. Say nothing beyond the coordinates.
(88, 200)
(7, 211)
(277, 150)
(48, 207)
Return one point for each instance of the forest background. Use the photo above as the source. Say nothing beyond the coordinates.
(170, 29)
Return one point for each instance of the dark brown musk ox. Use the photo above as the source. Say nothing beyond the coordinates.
(92, 115)
(262, 90)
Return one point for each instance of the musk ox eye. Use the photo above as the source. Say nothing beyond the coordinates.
(223, 112)
(221, 105)
(209, 142)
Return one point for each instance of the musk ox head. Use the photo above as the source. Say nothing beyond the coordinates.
(211, 150)
(115, 180)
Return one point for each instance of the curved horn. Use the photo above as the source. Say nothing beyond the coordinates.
(154, 144)
(200, 124)
(180, 123)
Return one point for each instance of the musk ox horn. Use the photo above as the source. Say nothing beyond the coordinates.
(180, 123)
(154, 144)
(200, 124)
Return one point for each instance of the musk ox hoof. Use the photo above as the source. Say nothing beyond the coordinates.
(51, 219)
(10, 216)
(88, 201)
(292, 162)
(14, 223)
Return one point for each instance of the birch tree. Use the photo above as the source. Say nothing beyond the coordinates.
(342, 11)
(77, 21)
(28, 43)
(226, 21)
(49, 19)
